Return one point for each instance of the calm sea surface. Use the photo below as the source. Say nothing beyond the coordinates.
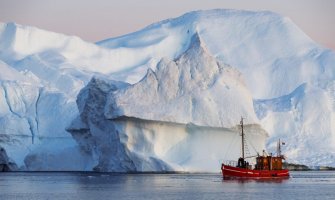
(84, 186)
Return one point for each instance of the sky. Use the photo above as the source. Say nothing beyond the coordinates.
(96, 20)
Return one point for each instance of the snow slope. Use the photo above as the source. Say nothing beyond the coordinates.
(289, 78)
(253, 42)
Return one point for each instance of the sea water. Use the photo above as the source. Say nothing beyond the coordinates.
(84, 186)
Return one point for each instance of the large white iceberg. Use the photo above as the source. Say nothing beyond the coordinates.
(278, 77)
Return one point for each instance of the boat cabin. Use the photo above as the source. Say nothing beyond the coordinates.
(269, 163)
(263, 163)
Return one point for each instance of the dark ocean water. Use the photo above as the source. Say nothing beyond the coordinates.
(84, 186)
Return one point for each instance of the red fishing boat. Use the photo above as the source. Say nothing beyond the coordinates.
(267, 166)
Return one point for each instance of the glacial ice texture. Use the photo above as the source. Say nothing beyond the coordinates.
(257, 64)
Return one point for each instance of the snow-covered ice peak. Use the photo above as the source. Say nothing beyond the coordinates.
(195, 88)
(264, 45)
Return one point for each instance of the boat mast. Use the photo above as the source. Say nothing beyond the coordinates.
(242, 137)
(278, 148)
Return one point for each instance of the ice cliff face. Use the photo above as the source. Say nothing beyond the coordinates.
(257, 64)
(158, 123)
(33, 118)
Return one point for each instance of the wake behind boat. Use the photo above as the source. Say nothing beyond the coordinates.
(267, 166)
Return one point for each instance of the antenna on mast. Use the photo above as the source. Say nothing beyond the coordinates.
(279, 147)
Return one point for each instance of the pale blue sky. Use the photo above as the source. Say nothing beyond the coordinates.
(95, 20)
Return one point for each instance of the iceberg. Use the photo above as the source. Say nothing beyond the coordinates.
(169, 120)
(161, 88)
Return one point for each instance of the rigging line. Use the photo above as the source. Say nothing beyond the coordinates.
(252, 146)
(229, 146)
(246, 148)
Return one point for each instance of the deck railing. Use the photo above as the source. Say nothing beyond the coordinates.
(232, 163)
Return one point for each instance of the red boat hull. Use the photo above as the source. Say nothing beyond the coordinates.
(231, 172)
